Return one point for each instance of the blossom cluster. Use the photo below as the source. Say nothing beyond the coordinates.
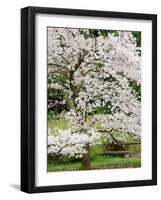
(71, 144)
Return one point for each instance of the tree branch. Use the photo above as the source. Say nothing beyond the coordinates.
(60, 66)
(64, 59)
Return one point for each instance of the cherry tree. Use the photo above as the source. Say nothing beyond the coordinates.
(96, 72)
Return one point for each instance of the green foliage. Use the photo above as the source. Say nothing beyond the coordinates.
(95, 150)
(136, 89)
(137, 35)
(99, 65)
(103, 110)
(95, 33)
(57, 95)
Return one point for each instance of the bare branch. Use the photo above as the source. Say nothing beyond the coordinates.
(60, 66)
(64, 58)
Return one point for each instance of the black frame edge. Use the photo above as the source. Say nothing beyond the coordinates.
(92, 13)
(27, 101)
(154, 99)
(24, 100)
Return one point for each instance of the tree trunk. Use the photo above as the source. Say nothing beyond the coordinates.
(86, 160)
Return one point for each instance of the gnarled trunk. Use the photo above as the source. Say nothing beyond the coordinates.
(85, 161)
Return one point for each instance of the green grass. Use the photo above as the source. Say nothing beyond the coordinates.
(115, 162)
(99, 162)
(54, 166)
(58, 123)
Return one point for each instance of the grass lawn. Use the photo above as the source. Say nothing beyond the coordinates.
(58, 124)
(99, 162)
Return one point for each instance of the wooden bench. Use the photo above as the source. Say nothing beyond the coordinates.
(123, 154)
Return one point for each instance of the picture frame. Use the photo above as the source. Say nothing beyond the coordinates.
(30, 40)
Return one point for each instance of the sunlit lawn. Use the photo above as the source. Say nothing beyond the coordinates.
(99, 162)
(60, 122)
